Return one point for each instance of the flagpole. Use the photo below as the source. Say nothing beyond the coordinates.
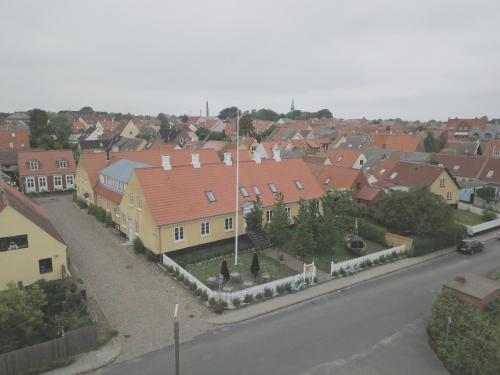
(237, 208)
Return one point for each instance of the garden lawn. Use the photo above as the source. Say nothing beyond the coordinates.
(212, 267)
(467, 218)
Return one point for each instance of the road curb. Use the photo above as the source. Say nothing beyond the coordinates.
(423, 259)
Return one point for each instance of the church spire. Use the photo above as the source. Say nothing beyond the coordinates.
(292, 108)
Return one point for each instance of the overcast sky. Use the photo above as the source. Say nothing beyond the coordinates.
(379, 59)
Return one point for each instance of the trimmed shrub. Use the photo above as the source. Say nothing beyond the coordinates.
(91, 209)
(193, 286)
(376, 262)
(204, 295)
(100, 214)
(248, 298)
(369, 263)
(371, 231)
(139, 246)
(198, 292)
(212, 302)
(236, 302)
(342, 272)
(489, 215)
(382, 259)
(280, 289)
(288, 287)
(335, 273)
(268, 293)
(259, 296)
(186, 282)
(425, 245)
(108, 220)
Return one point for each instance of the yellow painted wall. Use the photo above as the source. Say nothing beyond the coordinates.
(160, 241)
(449, 186)
(109, 206)
(83, 183)
(22, 264)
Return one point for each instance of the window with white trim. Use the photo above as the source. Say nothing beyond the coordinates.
(273, 187)
(269, 216)
(42, 183)
(442, 182)
(136, 226)
(288, 212)
(228, 224)
(70, 181)
(63, 163)
(33, 165)
(205, 228)
(210, 196)
(58, 184)
(256, 190)
(448, 195)
(30, 184)
(131, 200)
(139, 202)
(244, 191)
(298, 184)
(179, 234)
(11, 145)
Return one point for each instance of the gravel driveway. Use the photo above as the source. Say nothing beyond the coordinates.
(138, 297)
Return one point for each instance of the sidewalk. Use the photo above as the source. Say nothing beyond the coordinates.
(92, 360)
(327, 287)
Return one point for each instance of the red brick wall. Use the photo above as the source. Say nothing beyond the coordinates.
(50, 182)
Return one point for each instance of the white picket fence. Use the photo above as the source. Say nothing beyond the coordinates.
(229, 296)
(335, 267)
(475, 229)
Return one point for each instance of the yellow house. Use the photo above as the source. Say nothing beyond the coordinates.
(186, 206)
(30, 247)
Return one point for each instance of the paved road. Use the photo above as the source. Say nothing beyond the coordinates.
(133, 292)
(375, 328)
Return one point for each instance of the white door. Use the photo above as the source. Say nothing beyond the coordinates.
(130, 230)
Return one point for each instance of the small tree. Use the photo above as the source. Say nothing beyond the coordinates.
(429, 143)
(225, 271)
(277, 228)
(487, 193)
(254, 217)
(255, 266)
(489, 215)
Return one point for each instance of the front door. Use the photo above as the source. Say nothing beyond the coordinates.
(130, 229)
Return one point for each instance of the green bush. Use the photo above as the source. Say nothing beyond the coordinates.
(473, 344)
(212, 302)
(489, 215)
(342, 272)
(248, 298)
(288, 287)
(371, 231)
(204, 295)
(259, 296)
(268, 292)
(193, 286)
(236, 302)
(176, 272)
(198, 292)
(81, 203)
(376, 262)
(100, 214)
(108, 220)
(139, 247)
(186, 282)
(152, 257)
(91, 209)
(425, 245)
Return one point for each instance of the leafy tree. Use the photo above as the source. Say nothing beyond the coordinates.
(86, 111)
(21, 318)
(38, 125)
(265, 114)
(304, 240)
(246, 125)
(341, 203)
(324, 113)
(429, 143)
(254, 218)
(255, 266)
(277, 228)
(224, 271)
(328, 231)
(228, 113)
(60, 126)
(487, 193)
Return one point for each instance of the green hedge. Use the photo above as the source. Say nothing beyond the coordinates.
(371, 231)
(427, 244)
(473, 344)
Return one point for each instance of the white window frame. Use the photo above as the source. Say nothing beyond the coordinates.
(30, 181)
(449, 196)
(298, 185)
(272, 187)
(139, 203)
(33, 165)
(244, 192)
(46, 186)
(63, 164)
(68, 184)
(288, 212)
(256, 190)
(442, 182)
(60, 186)
(228, 224)
(205, 228)
(269, 216)
(179, 234)
(131, 200)
(136, 227)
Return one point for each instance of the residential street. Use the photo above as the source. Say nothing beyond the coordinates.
(377, 327)
(135, 294)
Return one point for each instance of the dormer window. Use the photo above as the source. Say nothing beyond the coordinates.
(244, 191)
(210, 196)
(63, 163)
(33, 165)
(273, 187)
(298, 184)
(256, 190)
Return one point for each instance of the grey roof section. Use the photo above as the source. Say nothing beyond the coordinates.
(412, 157)
(355, 141)
(18, 125)
(473, 285)
(374, 155)
(290, 154)
(23, 116)
(122, 169)
(471, 184)
(463, 148)
(128, 144)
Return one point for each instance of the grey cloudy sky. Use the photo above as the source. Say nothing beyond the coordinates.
(374, 58)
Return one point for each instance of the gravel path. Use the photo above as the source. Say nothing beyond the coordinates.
(136, 295)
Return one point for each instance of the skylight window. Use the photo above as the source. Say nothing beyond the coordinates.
(456, 167)
(244, 192)
(256, 190)
(490, 173)
(382, 171)
(210, 196)
(327, 180)
(393, 175)
(298, 184)
(273, 187)
(340, 158)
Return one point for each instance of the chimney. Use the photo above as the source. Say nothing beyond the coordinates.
(227, 159)
(256, 158)
(276, 154)
(165, 162)
(195, 160)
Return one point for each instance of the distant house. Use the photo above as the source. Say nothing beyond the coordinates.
(469, 148)
(30, 247)
(492, 149)
(337, 178)
(46, 170)
(490, 174)
(465, 128)
(14, 136)
(398, 142)
(369, 195)
(17, 116)
(474, 289)
(353, 141)
(347, 158)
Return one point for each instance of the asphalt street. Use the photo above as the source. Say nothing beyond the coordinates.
(377, 327)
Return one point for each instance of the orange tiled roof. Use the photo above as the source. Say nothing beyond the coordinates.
(396, 142)
(476, 123)
(343, 157)
(180, 194)
(334, 177)
(369, 194)
(47, 162)
(26, 207)
(410, 175)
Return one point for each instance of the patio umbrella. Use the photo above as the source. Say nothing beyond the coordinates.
(255, 266)
(225, 271)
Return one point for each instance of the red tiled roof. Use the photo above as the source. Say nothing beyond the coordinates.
(47, 162)
(261, 126)
(491, 171)
(343, 157)
(111, 126)
(334, 177)
(180, 194)
(479, 123)
(20, 141)
(492, 146)
(461, 165)
(396, 142)
(107, 193)
(410, 175)
(369, 194)
(29, 209)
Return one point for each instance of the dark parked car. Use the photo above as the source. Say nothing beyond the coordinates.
(469, 247)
